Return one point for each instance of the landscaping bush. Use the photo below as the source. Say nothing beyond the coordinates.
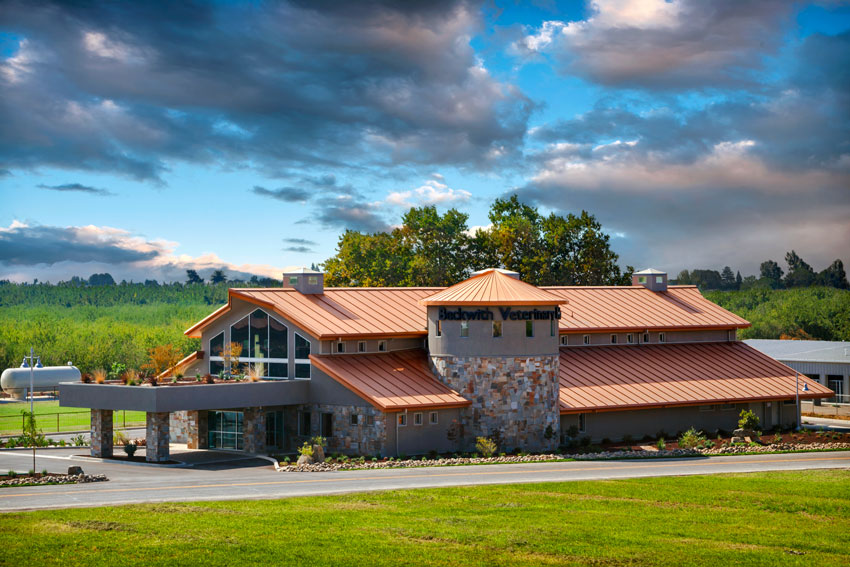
(306, 450)
(748, 420)
(691, 439)
(661, 444)
(486, 446)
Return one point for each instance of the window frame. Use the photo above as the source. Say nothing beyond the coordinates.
(529, 329)
(497, 325)
(614, 338)
(301, 423)
(354, 420)
(312, 280)
(564, 340)
(552, 328)
(433, 418)
(439, 329)
(298, 361)
(662, 338)
(418, 419)
(383, 345)
(401, 420)
(322, 430)
(646, 338)
(464, 329)
(293, 280)
(340, 347)
(361, 346)
(586, 340)
(582, 423)
(267, 361)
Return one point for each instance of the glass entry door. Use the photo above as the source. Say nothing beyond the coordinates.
(225, 430)
(274, 429)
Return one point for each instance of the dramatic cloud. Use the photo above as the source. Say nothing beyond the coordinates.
(76, 187)
(299, 245)
(52, 253)
(286, 194)
(349, 214)
(433, 192)
(664, 43)
(131, 88)
(302, 241)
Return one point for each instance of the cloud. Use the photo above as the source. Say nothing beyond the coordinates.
(664, 44)
(76, 187)
(299, 249)
(286, 194)
(55, 253)
(352, 215)
(433, 192)
(131, 89)
(302, 241)
(300, 245)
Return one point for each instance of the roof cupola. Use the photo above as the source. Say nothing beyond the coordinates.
(651, 279)
(304, 280)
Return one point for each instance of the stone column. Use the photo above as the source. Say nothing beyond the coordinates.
(254, 430)
(101, 433)
(156, 450)
(198, 424)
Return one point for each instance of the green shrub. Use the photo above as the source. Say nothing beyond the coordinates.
(748, 420)
(306, 450)
(11, 474)
(485, 446)
(661, 444)
(691, 439)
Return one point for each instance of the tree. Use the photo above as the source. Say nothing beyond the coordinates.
(101, 279)
(368, 260)
(161, 358)
(192, 277)
(771, 272)
(727, 279)
(707, 279)
(800, 274)
(218, 277)
(834, 276)
(438, 246)
(684, 278)
(738, 280)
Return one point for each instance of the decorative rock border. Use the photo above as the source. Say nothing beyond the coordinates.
(773, 448)
(26, 480)
(411, 463)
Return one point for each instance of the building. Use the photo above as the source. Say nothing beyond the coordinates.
(412, 370)
(827, 362)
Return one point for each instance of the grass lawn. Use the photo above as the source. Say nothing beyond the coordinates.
(69, 419)
(756, 519)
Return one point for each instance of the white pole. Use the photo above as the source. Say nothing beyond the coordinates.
(32, 396)
(797, 392)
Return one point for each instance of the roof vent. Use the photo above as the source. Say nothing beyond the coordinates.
(650, 279)
(304, 280)
(514, 275)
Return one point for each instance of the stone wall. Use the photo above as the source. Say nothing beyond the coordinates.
(190, 428)
(157, 438)
(347, 439)
(254, 430)
(517, 396)
(178, 425)
(101, 433)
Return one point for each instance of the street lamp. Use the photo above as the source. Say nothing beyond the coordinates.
(32, 362)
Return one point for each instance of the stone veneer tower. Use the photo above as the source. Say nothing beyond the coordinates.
(494, 339)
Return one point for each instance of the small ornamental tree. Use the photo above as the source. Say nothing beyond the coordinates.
(161, 358)
(231, 353)
(485, 446)
(748, 420)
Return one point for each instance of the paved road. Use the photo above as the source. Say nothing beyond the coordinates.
(220, 477)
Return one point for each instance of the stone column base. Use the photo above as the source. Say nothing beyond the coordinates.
(254, 430)
(198, 426)
(157, 438)
(101, 433)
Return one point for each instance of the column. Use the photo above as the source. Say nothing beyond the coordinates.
(198, 425)
(254, 430)
(156, 450)
(101, 433)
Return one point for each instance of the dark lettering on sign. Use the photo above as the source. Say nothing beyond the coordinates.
(508, 314)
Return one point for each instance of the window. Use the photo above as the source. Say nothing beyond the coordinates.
(835, 382)
(354, 419)
(565, 340)
(659, 279)
(439, 328)
(661, 337)
(586, 339)
(340, 347)
(225, 430)
(630, 338)
(433, 418)
(551, 327)
(370, 420)
(304, 423)
(582, 422)
(302, 357)
(402, 419)
(313, 280)
(382, 346)
(529, 328)
(293, 280)
(216, 361)
(361, 346)
(642, 279)
(613, 339)
(706, 408)
(327, 425)
(464, 328)
(727, 407)
(264, 341)
(497, 329)
(646, 337)
(417, 418)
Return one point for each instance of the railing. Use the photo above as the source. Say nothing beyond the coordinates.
(68, 421)
(837, 399)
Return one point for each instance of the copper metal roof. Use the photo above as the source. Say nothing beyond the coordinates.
(638, 308)
(338, 312)
(492, 287)
(635, 377)
(400, 311)
(390, 381)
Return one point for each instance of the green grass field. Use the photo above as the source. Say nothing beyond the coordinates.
(794, 518)
(51, 418)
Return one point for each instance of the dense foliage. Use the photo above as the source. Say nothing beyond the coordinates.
(803, 313)
(430, 249)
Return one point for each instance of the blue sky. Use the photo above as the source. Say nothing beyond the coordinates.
(145, 139)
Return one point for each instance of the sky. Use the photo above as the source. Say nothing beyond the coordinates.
(144, 139)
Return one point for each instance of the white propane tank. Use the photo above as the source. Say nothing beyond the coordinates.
(16, 381)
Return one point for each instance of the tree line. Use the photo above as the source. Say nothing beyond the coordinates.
(771, 276)
(430, 249)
